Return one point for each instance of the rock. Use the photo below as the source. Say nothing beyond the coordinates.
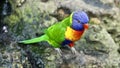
(44, 0)
(97, 48)
(99, 43)
(95, 21)
(61, 13)
(112, 26)
(12, 57)
(95, 8)
(20, 2)
(117, 3)
(107, 1)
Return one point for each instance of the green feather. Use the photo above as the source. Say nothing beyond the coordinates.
(35, 40)
(57, 31)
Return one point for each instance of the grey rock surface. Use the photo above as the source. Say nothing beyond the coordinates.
(98, 47)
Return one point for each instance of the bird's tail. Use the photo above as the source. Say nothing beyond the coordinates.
(35, 40)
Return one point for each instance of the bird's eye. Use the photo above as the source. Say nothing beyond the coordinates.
(78, 21)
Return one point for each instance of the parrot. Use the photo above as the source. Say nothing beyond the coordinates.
(65, 32)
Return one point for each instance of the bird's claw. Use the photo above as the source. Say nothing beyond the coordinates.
(74, 51)
(59, 51)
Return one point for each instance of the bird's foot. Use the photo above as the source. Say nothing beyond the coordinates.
(74, 51)
(59, 51)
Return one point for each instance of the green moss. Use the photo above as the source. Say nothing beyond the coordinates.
(13, 4)
(14, 18)
(28, 9)
(37, 49)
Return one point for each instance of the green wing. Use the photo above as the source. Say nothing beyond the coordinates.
(57, 31)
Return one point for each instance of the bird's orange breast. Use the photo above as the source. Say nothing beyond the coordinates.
(72, 34)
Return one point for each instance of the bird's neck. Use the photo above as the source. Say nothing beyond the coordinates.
(66, 22)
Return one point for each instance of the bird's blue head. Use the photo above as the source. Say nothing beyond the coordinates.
(80, 20)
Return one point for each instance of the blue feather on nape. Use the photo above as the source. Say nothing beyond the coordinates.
(81, 16)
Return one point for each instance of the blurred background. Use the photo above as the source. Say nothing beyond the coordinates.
(99, 47)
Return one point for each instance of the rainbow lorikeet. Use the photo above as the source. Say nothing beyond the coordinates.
(65, 32)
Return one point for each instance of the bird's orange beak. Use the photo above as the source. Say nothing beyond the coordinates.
(86, 26)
